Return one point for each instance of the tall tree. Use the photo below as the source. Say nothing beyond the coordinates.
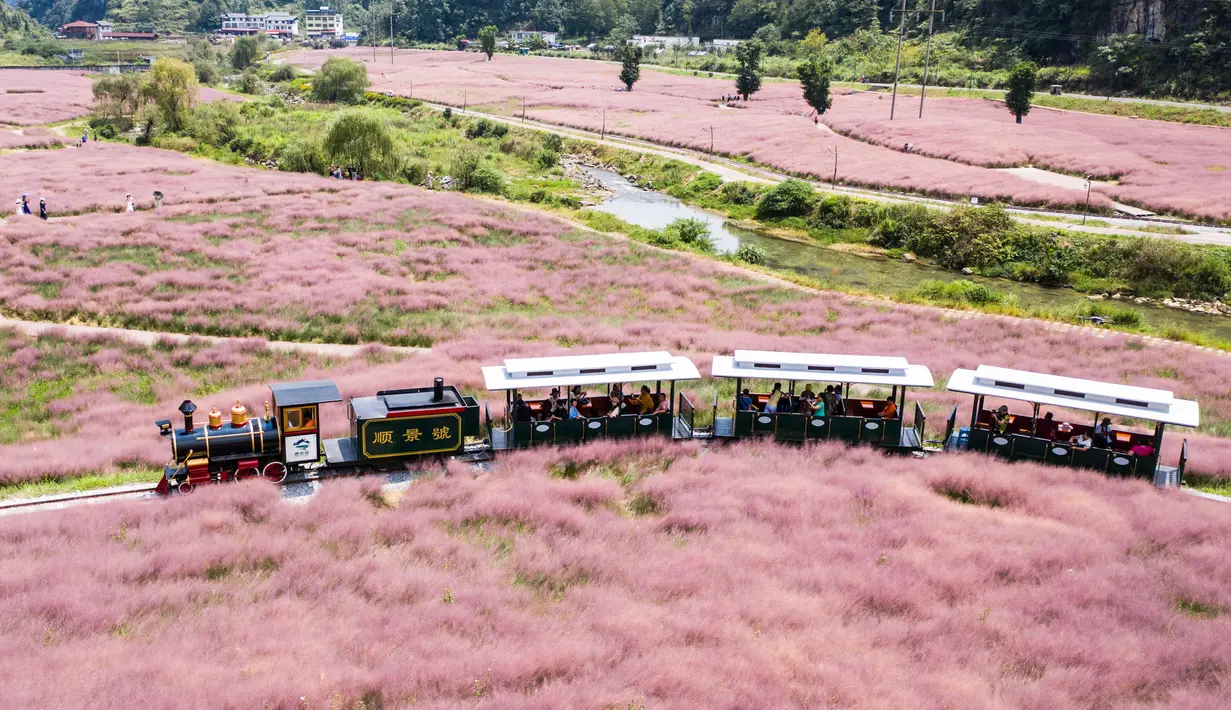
(748, 54)
(172, 87)
(487, 40)
(814, 78)
(630, 57)
(360, 138)
(1022, 80)
(244, 52)
(340, 80)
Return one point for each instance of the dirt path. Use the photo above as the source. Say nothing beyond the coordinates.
(146, 337)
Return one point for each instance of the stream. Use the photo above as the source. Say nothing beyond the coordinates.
(871, 273)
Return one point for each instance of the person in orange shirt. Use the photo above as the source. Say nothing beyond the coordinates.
(891, 410)
(646, 400)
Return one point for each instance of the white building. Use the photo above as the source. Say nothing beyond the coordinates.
(662, 41)
(524, 36)
(725, 44)
(275, 23)
(323, 22)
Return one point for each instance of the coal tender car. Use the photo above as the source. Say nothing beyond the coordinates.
(389, 430)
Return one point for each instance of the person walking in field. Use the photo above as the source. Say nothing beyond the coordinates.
(17, 204)
(25, 205)
(130, 207)
(42, 208)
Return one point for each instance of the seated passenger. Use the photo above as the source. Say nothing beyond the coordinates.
(1102, 433)
(582, 399)
(617, 401)
(808, 394)
(1083, 441)
(890, 410)
(814, 407)
(1046, 427)
(744, 403)
(836, 407)
(554, 398)
(1000, 420)
(1142, 450)
(646, 400)
(771, 406)
(572, 409)
(521, 410)
(664, 406)
(560, 413)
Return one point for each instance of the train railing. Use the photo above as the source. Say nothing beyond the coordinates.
(921, 423)
(687, 415)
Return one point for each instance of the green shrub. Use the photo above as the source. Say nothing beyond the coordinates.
(283, 72)
(484, 128)
(207, 72)
(547, 159)
(250, 82)
(106, 130)
(486, 178)
(1123, 317)
(521, 146)
(302, 155)
(213, 123)
(554, 142)
(791, 198)
(750, 253)
(414, 172)
(691, 232)
(835, 211)
(960, 291)
(167, 141)
(740, 193)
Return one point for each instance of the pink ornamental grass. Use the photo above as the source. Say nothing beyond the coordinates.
(476, 281)
(29, 97)
(832, 577)
(1164, 166)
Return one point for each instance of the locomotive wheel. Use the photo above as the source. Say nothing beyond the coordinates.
(244, 474)
(185, 488)
(275, 471)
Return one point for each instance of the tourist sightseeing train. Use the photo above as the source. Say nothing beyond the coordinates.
(581, 398)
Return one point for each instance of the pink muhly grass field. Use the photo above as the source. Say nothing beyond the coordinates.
(1166, 166)
(741, 577)
(679, 110)
(265, 254)
(29, 97)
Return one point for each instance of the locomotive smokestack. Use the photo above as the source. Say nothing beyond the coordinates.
(438, 389)
(187, 408)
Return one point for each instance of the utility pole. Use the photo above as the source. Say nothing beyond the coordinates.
(523, 109)
(927, 57)
(1087, 210)
(710, 131)
(603, 135)
(897, 67)
(391, 31)
(834, 184)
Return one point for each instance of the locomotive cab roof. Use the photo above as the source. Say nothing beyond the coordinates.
(817, 367)
(1086, 395)
(605, 369)
(293, 394)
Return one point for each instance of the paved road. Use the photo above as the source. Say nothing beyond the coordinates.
(1088, 97)
(146, 337)
(729, 169)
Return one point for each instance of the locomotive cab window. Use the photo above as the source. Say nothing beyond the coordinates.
(295, 419)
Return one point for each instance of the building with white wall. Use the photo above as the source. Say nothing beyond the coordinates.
(323, 22)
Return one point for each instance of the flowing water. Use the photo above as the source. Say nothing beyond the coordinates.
(875, 274)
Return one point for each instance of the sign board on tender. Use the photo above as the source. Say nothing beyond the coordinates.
(408, 436)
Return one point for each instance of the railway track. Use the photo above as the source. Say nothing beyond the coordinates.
(69, 500)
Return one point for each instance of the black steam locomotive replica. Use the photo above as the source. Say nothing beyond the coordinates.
(387, 431)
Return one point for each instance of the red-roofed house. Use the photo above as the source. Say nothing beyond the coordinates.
(81, 30)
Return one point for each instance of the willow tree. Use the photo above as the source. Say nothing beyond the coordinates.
(171, 86)
(363, 140)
